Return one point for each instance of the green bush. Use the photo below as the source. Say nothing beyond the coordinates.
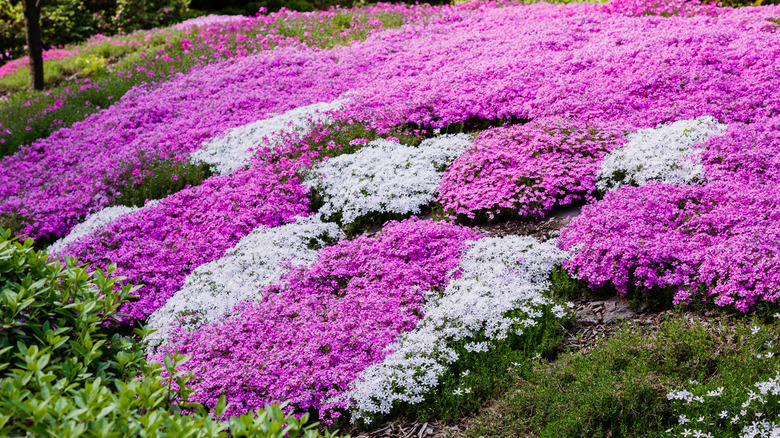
(147, 14)
(63, 373)
(12, 38)
(66, 21)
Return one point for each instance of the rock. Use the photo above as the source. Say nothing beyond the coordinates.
(604, 312)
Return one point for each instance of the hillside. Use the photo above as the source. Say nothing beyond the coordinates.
(483, 219)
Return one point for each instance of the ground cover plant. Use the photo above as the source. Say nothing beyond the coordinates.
(265, 201)
(685, 378)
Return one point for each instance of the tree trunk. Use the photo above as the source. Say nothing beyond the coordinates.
(32, 24)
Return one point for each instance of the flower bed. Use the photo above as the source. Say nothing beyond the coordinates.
(665, 128)
(384, 177)
(717, 242)
(666, 153)
(499, 292)
(258, 260)
(308, 338)
(526, 170)
(158, 247)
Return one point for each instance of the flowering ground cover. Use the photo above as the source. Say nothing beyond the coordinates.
(267, 258)
(108, 67)
(526, 170)
(307, 338)
(158, 246)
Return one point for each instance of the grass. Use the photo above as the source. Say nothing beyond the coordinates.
(620, 388)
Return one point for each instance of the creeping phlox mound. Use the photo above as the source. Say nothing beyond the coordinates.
(158, 247)
(665, 153)
(714, 242)
(234, 149)
(746, 152)
(309, 337)
(498, 290)
(527, 169)
(257, 261)
(384, 177)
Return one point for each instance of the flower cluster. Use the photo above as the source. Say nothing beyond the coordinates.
(257, 261)
(309, 337)
(235, 148)
(665, 153)
(718, 241)
(526, 169)
(385, 177)
(211, 20)
(157, 247)
(499, 289)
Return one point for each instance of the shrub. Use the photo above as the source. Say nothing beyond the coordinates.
(64, 374)
(147, 14)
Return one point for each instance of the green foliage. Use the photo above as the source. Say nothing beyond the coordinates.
(64, 374)
(66, 21)
(157, 179)
(147, 14)
(619, 389)
(11, 29)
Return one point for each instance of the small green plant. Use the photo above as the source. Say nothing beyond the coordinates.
(157, 179)
(622, 387)
(91, 63)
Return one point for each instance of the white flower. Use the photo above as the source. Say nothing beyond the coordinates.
(233, 149)
(664, 153)
(458, 392)
(724, 414)
(684, 419)
(93, 223)
(258, 260)
(755, 329)
(385, 177)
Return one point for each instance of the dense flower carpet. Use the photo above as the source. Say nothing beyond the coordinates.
(340, 272)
